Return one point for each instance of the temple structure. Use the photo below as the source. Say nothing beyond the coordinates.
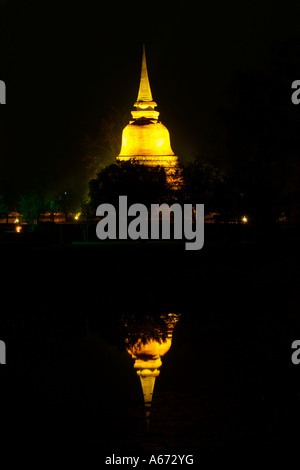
(147, 357)
(145, 139)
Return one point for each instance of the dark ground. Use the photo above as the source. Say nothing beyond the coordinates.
(226, 387)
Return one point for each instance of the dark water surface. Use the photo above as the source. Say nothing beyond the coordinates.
(227, 382)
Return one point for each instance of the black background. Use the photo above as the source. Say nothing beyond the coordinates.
(231, 388)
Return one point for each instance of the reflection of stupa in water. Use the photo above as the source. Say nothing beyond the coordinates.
(147, 352)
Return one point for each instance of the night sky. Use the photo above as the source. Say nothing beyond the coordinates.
(66, 66)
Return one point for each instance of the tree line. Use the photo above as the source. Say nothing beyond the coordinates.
(227, 194)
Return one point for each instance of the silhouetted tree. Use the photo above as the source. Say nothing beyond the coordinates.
(144, 328)
(30, 206)
(139, 183)
(204, 182)
(53, 206)
(87, 215)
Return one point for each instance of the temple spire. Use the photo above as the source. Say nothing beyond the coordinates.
(144, 89)
(148, 382)
(145, 140)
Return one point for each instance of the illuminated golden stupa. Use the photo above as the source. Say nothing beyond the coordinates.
(145, 139)
(147, 357)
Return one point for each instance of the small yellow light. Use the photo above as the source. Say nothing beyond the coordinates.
(18, 228)
(16, 221)
(76, 217)
(244, 219)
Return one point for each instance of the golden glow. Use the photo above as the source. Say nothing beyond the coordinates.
(244, 219)
(16, 221)
(18, 228)
(150, 139)
(145, 139)
(144, 93)
(151, 160)
(76, 216)
(147, 113)
(160, 142)
(148, 359)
